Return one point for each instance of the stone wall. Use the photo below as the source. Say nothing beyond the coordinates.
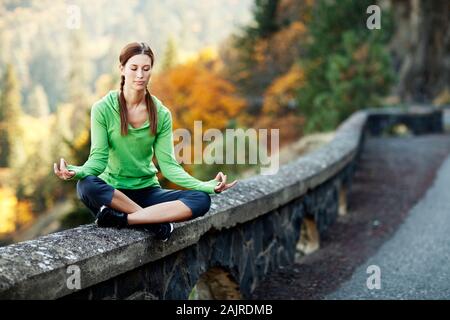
(250, 230)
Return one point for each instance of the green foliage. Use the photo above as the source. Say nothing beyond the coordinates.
(264, 12)
(193, 295)
(347, 67)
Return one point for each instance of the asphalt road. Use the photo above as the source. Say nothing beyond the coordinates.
(415, 262)
(398, 220)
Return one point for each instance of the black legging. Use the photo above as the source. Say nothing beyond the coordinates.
(94, 193)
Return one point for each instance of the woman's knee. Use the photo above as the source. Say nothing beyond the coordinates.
(203, 201)
(88, 186)
(94, 192)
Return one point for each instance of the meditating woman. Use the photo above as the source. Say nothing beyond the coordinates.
(118, 182)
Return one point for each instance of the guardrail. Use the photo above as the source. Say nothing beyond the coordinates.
(249, 231)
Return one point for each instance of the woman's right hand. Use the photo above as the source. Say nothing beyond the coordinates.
(222, 186)
(62, 171)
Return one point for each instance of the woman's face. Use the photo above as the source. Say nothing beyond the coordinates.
(137, 71)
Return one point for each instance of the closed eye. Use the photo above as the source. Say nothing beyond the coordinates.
(134, 69)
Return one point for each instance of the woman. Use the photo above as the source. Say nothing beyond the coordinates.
(118, 182)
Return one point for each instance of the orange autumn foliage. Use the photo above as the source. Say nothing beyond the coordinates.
(276, 54)
(279, 109)
(195, 93)
(281, 93)
(13, 213)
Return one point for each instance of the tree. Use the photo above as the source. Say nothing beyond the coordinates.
(279, 109)
(45, 68)
(264, 13)
(346, 66)
(10, 111)
(268, 48)
(170, 55)
(79, 93)
(193, 91)
(421, 48)
(30, 174)
(264, 25)
(38, 103)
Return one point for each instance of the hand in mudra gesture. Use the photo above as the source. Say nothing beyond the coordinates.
(222, 178)
(61, 170)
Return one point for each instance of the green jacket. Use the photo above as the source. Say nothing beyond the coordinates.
(126, 161)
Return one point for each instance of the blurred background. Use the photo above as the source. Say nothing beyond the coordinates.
(301, 66)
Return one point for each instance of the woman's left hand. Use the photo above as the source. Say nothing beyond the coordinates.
(222, 178)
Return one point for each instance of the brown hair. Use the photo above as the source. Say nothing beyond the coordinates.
(127, 52)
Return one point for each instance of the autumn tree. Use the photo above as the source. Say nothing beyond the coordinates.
(280, 110)
(263, 61)
(194, 91)
(31, 174)
(170, 57)
(10, 112)
(38, 103)
(259, 54)
(244, 60)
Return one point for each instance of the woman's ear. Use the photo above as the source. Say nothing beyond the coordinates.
(121, 69)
